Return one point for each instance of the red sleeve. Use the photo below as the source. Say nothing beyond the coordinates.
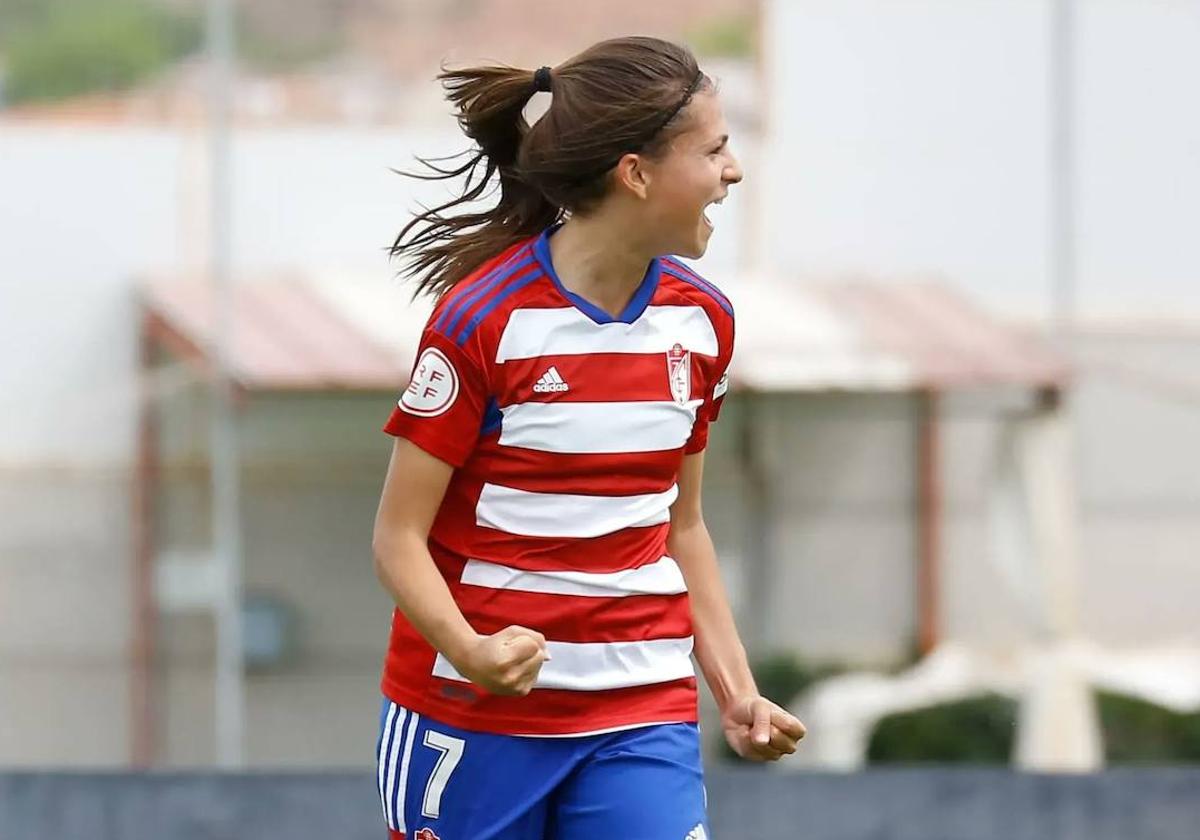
(715, 386)
(442, 408)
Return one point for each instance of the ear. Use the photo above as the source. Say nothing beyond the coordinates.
(633, 173)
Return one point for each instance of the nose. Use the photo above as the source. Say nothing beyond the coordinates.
(733, 171)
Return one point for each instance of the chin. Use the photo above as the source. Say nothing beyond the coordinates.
(690, 243)
(701, 243)
(695, 248)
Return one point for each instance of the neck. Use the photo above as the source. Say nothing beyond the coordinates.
(601, 260)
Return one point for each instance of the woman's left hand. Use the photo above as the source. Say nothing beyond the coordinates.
(759, 730)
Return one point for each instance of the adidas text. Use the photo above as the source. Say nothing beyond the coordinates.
(550, 382)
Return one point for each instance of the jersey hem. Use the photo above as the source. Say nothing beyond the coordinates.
(531, 726)
(608, 731)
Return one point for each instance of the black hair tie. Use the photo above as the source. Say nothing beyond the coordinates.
(541, 79)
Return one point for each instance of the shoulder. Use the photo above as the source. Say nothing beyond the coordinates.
(479, 304)
(691, 285)
(687, 286)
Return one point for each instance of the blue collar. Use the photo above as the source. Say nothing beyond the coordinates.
(632, 311)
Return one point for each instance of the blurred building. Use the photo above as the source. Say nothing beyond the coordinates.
(900, 144)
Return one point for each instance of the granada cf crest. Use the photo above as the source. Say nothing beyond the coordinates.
(679, 373)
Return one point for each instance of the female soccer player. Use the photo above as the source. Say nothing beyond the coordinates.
(540, 527)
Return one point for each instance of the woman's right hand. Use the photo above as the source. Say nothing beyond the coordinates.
(506, 662)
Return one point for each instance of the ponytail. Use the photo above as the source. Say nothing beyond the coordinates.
(616, 97)
(445, 248)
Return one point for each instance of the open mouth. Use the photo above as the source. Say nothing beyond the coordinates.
(709, 208)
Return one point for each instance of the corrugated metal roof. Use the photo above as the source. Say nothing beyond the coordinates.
(285, 336)
(857, 335)
(338, 332)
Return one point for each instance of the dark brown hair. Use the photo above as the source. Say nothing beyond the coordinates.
(618, 96)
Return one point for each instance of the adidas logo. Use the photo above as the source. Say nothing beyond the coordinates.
(697, 833)
(550, 382)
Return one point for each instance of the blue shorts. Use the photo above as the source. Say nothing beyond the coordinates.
(438, 782)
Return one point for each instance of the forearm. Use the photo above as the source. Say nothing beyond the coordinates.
(718, 647)
(408, 573)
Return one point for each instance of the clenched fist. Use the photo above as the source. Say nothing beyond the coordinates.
(759, 730)
(507, 662)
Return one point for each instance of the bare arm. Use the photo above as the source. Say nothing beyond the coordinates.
(718, 647)
(755, 727)
(504, 663)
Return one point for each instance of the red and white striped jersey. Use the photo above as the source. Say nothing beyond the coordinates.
(566, 427)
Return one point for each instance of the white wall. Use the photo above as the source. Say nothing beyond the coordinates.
(83, 212)
(914, 137)
(78, 214)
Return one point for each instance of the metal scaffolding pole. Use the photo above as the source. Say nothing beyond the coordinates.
(226, 513)
(1062, 167)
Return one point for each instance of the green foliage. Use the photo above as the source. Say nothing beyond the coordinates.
(1138, 732)
(55, 49)
(731, 36)
(20, 14)
(262, 48)
(979, 730)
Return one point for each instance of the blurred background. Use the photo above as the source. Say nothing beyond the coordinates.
(955, 491)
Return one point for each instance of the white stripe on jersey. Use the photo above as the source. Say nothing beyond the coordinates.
(598, 427)
(531, 514)
(531, 333)
(597, 666)
(662, 577)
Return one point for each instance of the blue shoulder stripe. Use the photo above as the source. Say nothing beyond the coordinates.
(494, 301)
(680, 273)
(683, 272)
(465, 298)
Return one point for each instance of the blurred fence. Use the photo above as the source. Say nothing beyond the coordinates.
(909, 804)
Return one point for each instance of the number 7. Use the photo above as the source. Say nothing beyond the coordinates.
(451, 750)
